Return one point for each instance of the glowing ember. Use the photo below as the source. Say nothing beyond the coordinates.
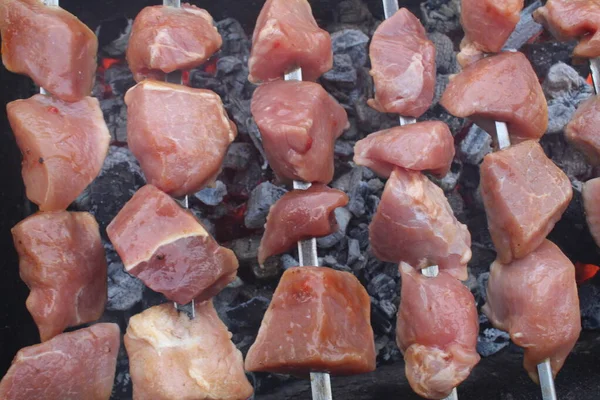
(585, 272)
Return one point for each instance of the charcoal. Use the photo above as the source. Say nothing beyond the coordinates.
(211, 196)
(353, 43)
(343, 72)
(476, 144)
(152, 298)
(113, 37)
(248, 314)
(124, 290)
(235, 40)
(115, 115)
(389, 352)
(441, 82)
(482, 281)
(445, 57)
(379, 321)
(491, 340)
(361, 233)
(261, 199)
(350, 180)
(375, 185)
(288, 262)
(246, 180)
(543, 55)
(526, 29)
(246, 251)
(450, 180)
(388, 308)
(344, 148)
(441, 15)
(352, 132)
(254, 133)
(354, 12)
(457, 204)
(342, 216)
(357, 203)
(589, 293)
(354, 252)
(201, 79)
(383, 287)
(370, 120)
(438, 113)
(122, 388)
(571, 161)
(120, 79)
(239, 156)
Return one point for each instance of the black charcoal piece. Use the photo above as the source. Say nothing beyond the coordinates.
(261, 199)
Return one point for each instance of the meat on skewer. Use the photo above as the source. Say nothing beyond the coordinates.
(63, 145)
(319, 320)
(174, 357)
(62, 261)
(49, 45)
(535, 300)
(287, 37)
(179, 135)
(437, 332)
(583, 131)
(487, 25)
(591, 203)
(300, 215)
(166, 39)
(299, 123)
(403, 66)
(168, 249)
(423, 146)
(568, 19)
(71, 366)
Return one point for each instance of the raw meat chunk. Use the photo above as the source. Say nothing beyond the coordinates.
(591, 203)
(583, 131)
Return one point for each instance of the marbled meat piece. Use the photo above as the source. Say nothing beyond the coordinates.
(591, 203)
(487, 25)
(568, 19)
(287, 37)
(319, 320)
(72, 366)
(166, 39)
(50, 45)
(437, 332)
(403, 66)
(583, 131)
(180, 135)
(414, 223)
(424, 146)
(63, 146)
(524, 194)
(62, 261)
(299, 123)
(300, 215)
(174, 357)
(535, 300)
(168, 249)
(501, 88)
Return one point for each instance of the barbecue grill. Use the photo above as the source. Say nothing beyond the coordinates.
(498, 376)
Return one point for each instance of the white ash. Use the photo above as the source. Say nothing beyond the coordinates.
(441, 15)
(476, 144)
(212, 196)
(124, 290)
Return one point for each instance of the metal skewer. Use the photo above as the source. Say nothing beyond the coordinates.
(320, 382)
(390, 7)
(176, 77)
(595, 68)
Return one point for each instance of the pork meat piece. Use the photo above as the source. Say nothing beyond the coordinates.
(568, 19)
(165, 39)
(424, 146)
(173, 357)
(300, 215)
(299, 123)
(71, 366)
(168, 249)
(487, 25)
(178, 134)
(403, 66)
(583, 132)
(524, 194)
(501, 88)
(286, 37)
(319, 320)
(62, 261)
(414, 223)
(50, 45)
(535, 300)
(63, 145)
(437, 332)
(591, 203)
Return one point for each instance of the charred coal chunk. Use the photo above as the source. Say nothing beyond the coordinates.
(441, 15)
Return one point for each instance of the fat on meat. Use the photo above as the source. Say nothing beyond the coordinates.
(524, 194)
(165, 39)
(568, 19)
(62, 261)
(299, 123)
(72, 366)
(591, 203)
(535, 300)
(583, 131)
(501, 88)
(319, 320)
(180, 135)
(487, 25)
(403, 66)
(63, 146)
(437, 332)
(423, 146)
(173, 357)
(286, 37)
(300, 215)
(50, 45)
(168, 249)
(414, 223)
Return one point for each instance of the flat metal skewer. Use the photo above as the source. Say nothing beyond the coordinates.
(176, 78)
(320, 382)
(595, 68)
